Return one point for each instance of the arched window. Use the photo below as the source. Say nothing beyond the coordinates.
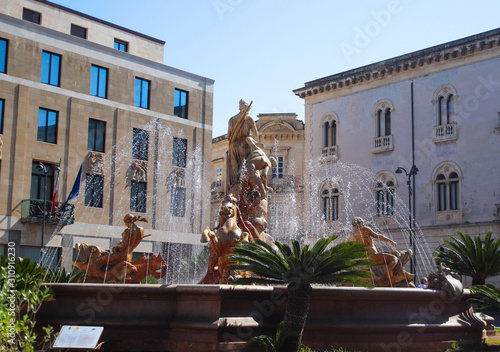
(330, 203)
(329, 133)
(446, 110)
(383, 122)
(384, 196)
(447, 182)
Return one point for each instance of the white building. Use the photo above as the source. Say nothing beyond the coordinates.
(437, 109)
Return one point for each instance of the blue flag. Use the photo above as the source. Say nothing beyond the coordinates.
(75, 191)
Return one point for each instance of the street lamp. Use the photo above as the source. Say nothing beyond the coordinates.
(45, 170)
(411, 216)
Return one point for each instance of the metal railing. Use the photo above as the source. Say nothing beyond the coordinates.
(32, 212)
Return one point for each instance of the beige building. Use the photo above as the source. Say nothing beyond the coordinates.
(84, 92)
(436, 109)
(282, 137)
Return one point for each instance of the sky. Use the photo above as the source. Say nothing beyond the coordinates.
(261, 50)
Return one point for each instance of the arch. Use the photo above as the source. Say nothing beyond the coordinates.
(384, 189)
(445, 99)
(446, 179)
(382, 104)
(329, 198)
(383, 111)
(277, 126)
(329, 124)
(446, 168)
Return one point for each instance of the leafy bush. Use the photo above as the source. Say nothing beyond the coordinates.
(21, 296)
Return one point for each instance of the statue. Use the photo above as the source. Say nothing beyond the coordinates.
(227, 235)
(243, 214)
(447, 281)
(117, 266)
(388, 269)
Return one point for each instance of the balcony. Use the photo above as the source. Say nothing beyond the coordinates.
(285, 183)
(32, 212)
(218, 187)
(382, 144)
(444, 133)
(330, 153)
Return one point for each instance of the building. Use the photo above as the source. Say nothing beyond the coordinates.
(437, 109)
(82, 92)
(281, 136)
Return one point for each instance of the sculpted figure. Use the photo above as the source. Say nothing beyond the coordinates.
(388, 261)
(227, 235)
(240, 127)
(116, 266)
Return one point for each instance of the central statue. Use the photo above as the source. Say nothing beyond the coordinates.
(243, 213)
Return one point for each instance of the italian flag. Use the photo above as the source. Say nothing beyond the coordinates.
(55, 189)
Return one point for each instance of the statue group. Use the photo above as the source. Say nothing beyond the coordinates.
(243, 211)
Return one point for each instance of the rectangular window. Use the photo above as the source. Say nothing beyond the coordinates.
(121, 45)
(179, 152)
(2, 104)
(32, 16)
(78, 31)
(141, 94)
(47, 126)
(441, 196)
(138, 196)
(97, 134)
(277, 171)
(99, 81)
(181, 103)
(3, 55)
(140, 144)
(94, 190)
(51, 66)
(38, 181)
(178, 202)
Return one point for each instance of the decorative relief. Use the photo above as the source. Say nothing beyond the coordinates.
(139, 171)
(95, 163)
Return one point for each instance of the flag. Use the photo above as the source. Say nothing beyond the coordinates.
(55, 189)
(76, 188)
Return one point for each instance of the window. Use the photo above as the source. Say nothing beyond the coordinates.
(140, 144)
(97, 134)
(446, 110)
(78, 31)
(178, 202)
(277, 171)
(2, 103)
(138, 196)
(218, 177)
(384, 196)
(329, 134)
(141, 96)
(51, 66)
(32, 16)
(179, 152)
(47, 126)
(99, 81)
(94, 190)
(181, 103)
(330, 202)
(384, 123)
(3, 55)
(447, 182)
(121, 45)
(38, 181)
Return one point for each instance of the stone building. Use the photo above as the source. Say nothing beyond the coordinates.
(80, 91)
(436, 109)
(282, 136)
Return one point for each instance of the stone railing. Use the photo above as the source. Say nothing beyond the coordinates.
(445, 132)
(382, 144)
(330, 152)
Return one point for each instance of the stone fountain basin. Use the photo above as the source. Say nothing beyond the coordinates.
(222, 317)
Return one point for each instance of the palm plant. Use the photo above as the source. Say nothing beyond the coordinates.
(487, 298)
(298, 268)
(472, 256)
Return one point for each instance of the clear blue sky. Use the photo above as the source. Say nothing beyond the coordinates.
(261, 50)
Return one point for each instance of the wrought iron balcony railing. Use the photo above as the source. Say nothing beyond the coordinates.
(32, 212)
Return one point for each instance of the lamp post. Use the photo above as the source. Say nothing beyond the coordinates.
(411, 215)
(45, 170)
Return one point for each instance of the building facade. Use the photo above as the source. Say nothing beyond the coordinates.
(77, 91)
(436, 109)
(281, 136)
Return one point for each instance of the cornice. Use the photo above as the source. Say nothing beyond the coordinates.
(402, 64)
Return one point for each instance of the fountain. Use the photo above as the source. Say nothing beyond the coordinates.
(221, 317)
